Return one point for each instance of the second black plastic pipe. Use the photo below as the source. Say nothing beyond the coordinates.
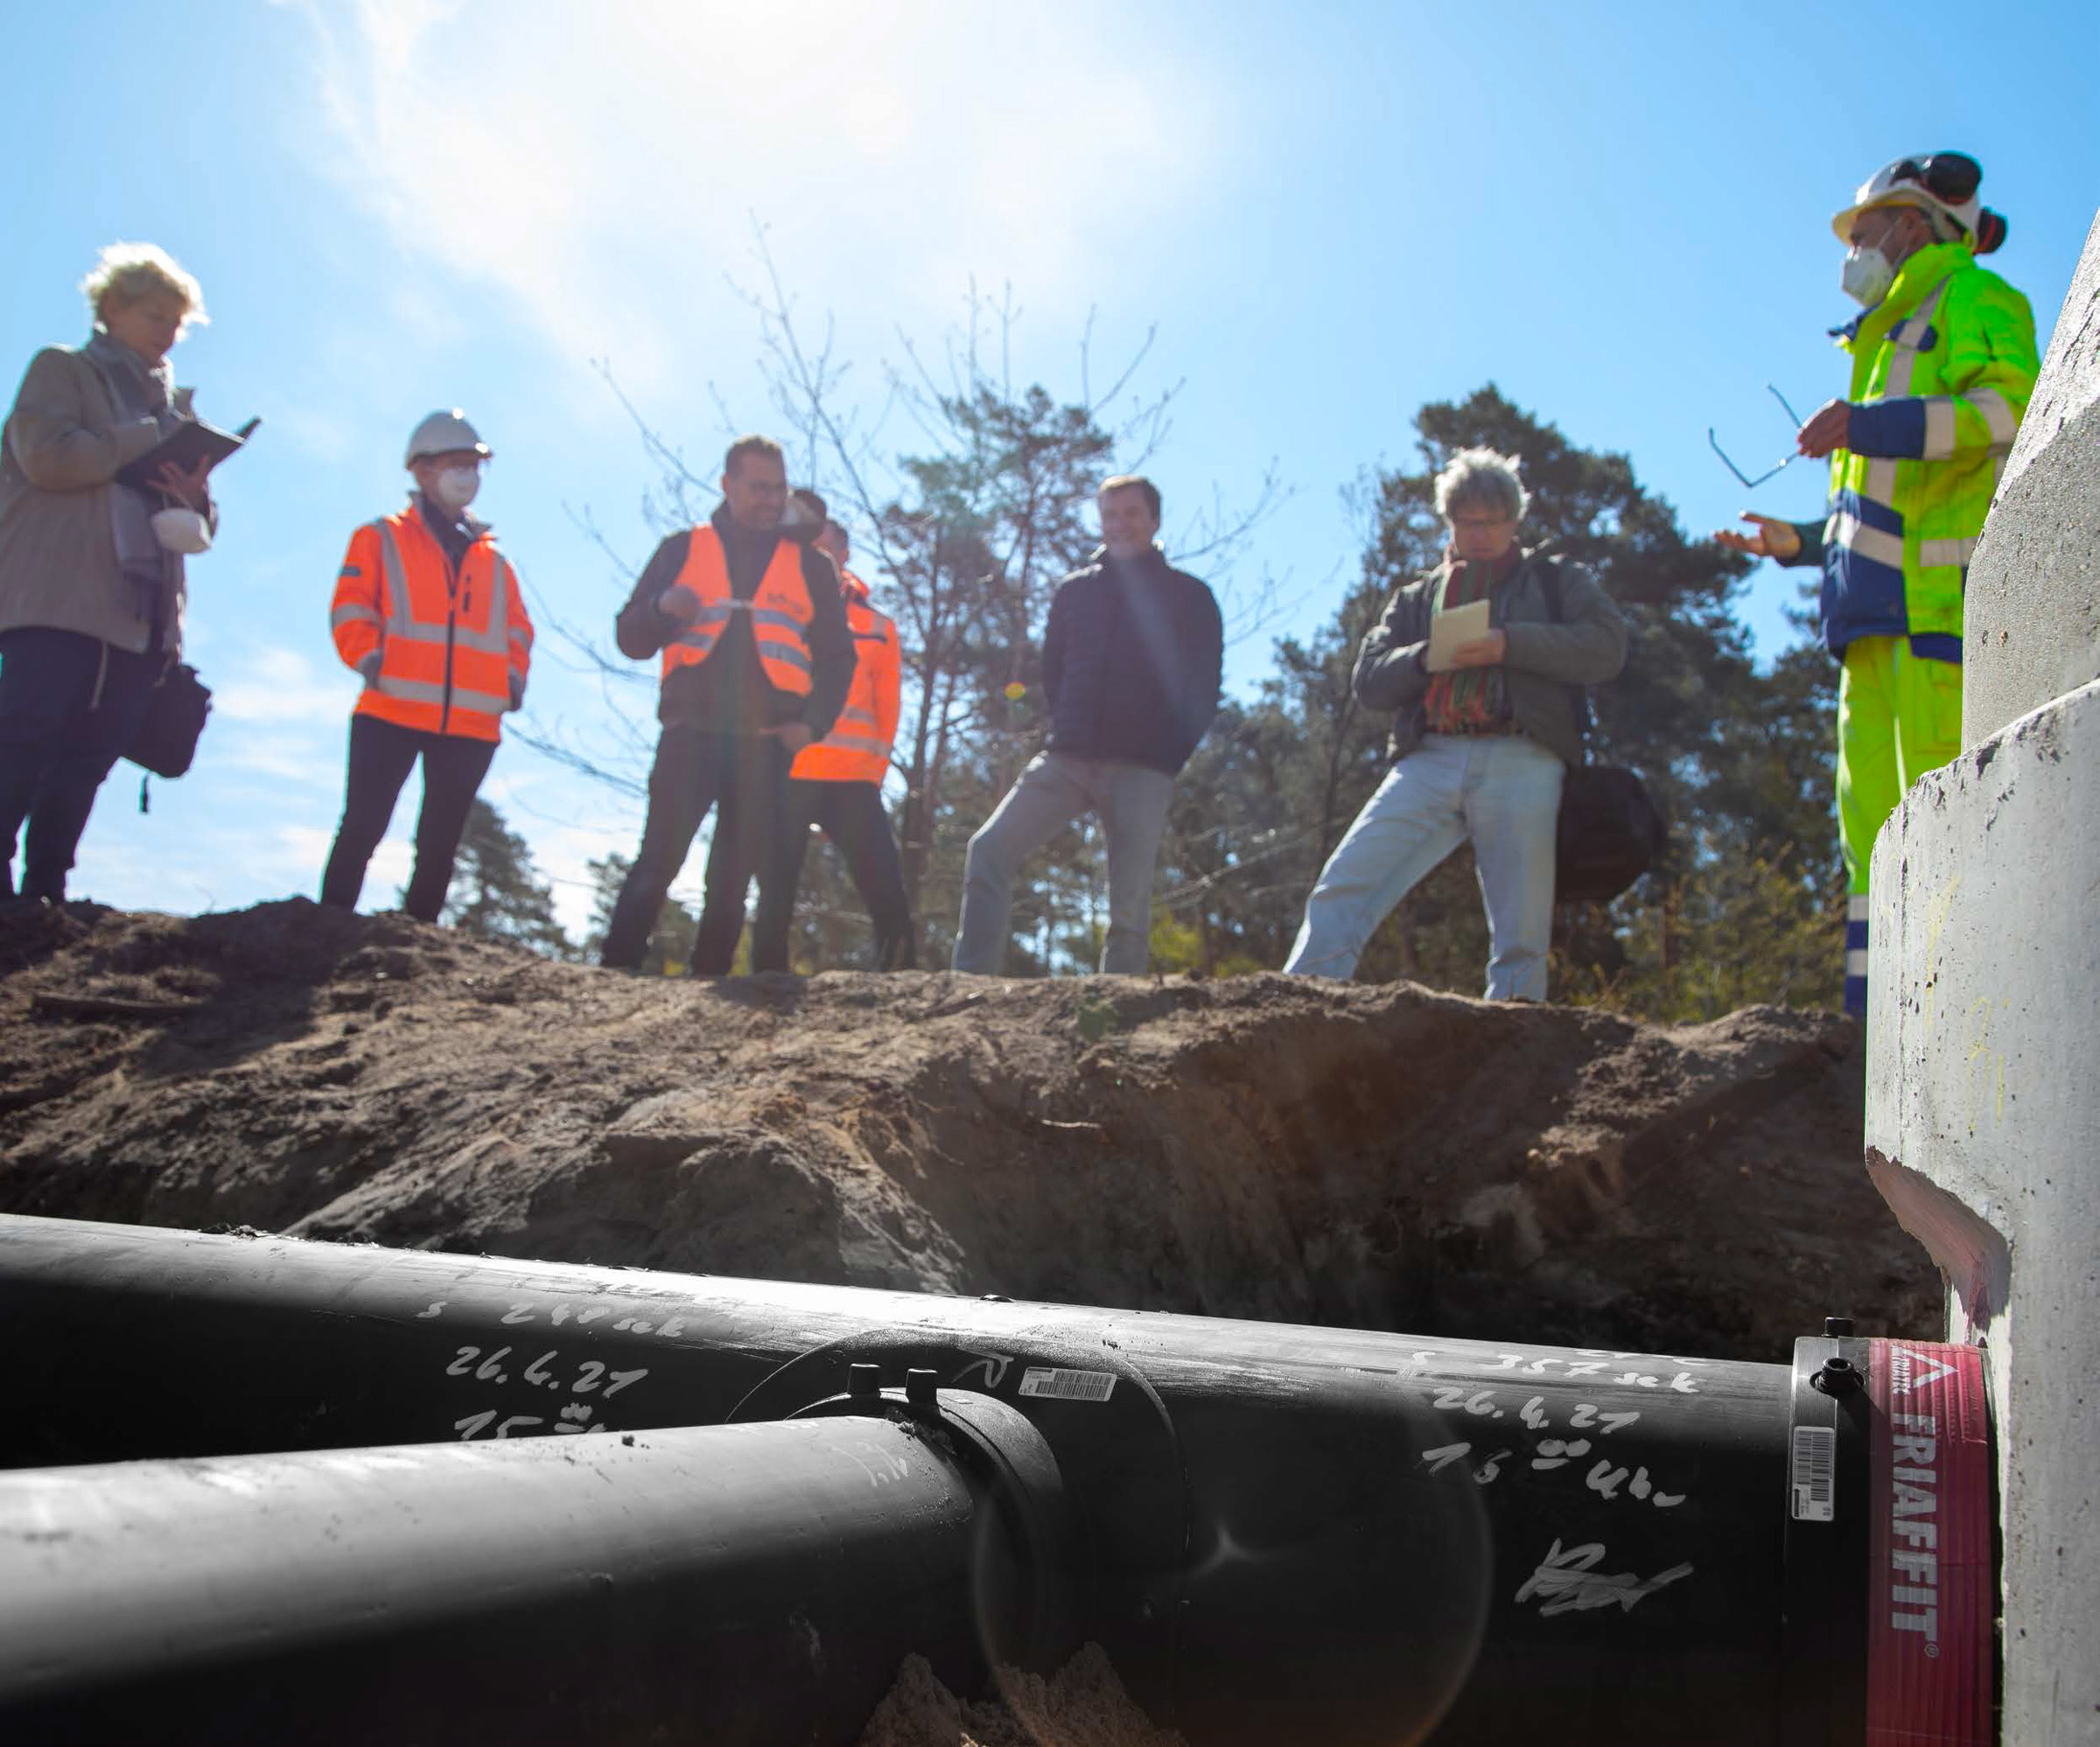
(754, 1585)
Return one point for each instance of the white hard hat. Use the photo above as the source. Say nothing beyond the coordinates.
(440, 434)
(1943, 181)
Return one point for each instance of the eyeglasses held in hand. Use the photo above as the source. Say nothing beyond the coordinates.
(1750, 483)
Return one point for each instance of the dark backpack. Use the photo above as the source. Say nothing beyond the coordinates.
(1611, 832)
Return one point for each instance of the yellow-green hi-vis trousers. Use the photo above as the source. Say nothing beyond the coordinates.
(1898, 715)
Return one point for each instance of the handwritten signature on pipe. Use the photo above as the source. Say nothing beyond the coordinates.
(1569, 1582)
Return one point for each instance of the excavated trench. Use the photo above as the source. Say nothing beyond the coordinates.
(1263, 1147)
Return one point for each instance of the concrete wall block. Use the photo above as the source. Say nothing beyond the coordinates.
(2032, 618)
(1983, 1123)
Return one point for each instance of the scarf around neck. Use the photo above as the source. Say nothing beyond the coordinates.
(138, 390)
(1470, 700)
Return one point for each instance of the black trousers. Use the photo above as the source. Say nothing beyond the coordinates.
(853, 817)
(740, 776)
(69, 705)
(381, 754)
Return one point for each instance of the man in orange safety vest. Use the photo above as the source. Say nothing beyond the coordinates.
(429, 615)
(756, 661)
(834, 783)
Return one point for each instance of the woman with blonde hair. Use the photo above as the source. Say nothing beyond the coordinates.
(91, 568)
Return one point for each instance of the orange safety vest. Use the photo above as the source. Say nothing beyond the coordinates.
(781, 612)
(857, 748)
(449, 641)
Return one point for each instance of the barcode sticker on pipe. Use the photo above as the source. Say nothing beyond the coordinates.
(1814, 1474)
(1068, 1385)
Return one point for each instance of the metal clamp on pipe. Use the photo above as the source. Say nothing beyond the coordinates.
(1023, 1572)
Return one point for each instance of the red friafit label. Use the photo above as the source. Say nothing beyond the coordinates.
(1932, 1590)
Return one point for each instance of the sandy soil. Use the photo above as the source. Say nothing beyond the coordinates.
(1262, 1146)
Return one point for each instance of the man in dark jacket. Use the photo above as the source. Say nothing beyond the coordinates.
(757, 661)
(1131, 662)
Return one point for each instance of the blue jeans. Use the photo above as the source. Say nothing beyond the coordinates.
(1501, 791)
(1131, 802)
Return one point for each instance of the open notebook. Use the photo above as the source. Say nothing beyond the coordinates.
(189, 443)
(1450, 628)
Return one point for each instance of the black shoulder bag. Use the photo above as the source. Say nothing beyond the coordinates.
(165, 744)
(1611, 832)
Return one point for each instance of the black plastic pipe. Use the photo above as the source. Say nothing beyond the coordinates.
(752, 1584)
(1277, 1532)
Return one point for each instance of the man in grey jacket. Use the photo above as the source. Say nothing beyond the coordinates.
(1486, 728)
(91, 583)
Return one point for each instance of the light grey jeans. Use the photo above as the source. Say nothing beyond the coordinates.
(1131, 802)
(1501, 789)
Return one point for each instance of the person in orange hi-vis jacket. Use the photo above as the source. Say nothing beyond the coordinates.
(835, 784)
(744, 613)
(430, 615)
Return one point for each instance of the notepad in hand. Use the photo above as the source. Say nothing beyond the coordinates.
(188, 444)
(1450, 628)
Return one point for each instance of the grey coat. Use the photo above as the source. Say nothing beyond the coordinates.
(63, 443)
(1545, 658)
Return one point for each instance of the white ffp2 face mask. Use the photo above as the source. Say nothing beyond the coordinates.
(1868, 274)
(456, 487)
(182, 530)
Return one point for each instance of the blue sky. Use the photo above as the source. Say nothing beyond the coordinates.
(1330, 217)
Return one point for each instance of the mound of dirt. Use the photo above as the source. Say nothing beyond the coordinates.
(1264, 1147)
